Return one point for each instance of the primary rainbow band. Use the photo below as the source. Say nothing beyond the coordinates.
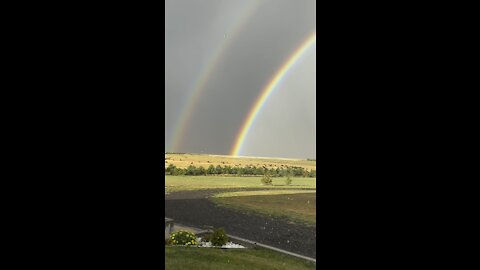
(268, 90)
(199, 84)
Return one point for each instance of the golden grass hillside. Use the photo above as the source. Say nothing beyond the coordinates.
(205, 160)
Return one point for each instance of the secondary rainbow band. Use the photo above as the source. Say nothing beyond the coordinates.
(207, 71)
(268, 90)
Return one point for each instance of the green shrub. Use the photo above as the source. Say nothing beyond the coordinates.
(170, 169)
(266, 180)
(219, 237)
(288, 181)
(183, 238)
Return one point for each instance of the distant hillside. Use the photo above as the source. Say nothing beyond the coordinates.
(205, 160)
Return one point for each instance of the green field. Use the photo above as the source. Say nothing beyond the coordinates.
(296, 206)
(180, 183)
(180, 258)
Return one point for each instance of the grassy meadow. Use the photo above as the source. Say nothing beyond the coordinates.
(182, 183)
(297, 206)
(233, 259)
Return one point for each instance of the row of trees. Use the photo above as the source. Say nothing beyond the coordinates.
(240, 171)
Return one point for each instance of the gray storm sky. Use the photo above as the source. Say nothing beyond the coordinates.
(261, 42)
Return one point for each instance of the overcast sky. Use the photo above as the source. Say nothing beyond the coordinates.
(251, 40)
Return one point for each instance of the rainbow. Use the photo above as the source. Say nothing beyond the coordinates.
(207, 71)
(268, 90)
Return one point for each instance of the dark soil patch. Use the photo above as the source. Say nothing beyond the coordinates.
(191, 208)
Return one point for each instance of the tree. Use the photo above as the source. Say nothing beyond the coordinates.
(211, 170)
(190, 170)
(170, 169)
(218, 169)
(178, 171)
(266, 179)
(200, 171)
(288, 180)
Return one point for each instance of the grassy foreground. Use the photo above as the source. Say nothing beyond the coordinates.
(233, 259)
(180, 183)
(295, 206)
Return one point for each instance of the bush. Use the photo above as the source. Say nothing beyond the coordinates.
(183, 238)
(288, 181)
(266, 180)
(219, 237)
(170, 169)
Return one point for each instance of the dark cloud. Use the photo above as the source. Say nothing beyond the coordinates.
(256, 52)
